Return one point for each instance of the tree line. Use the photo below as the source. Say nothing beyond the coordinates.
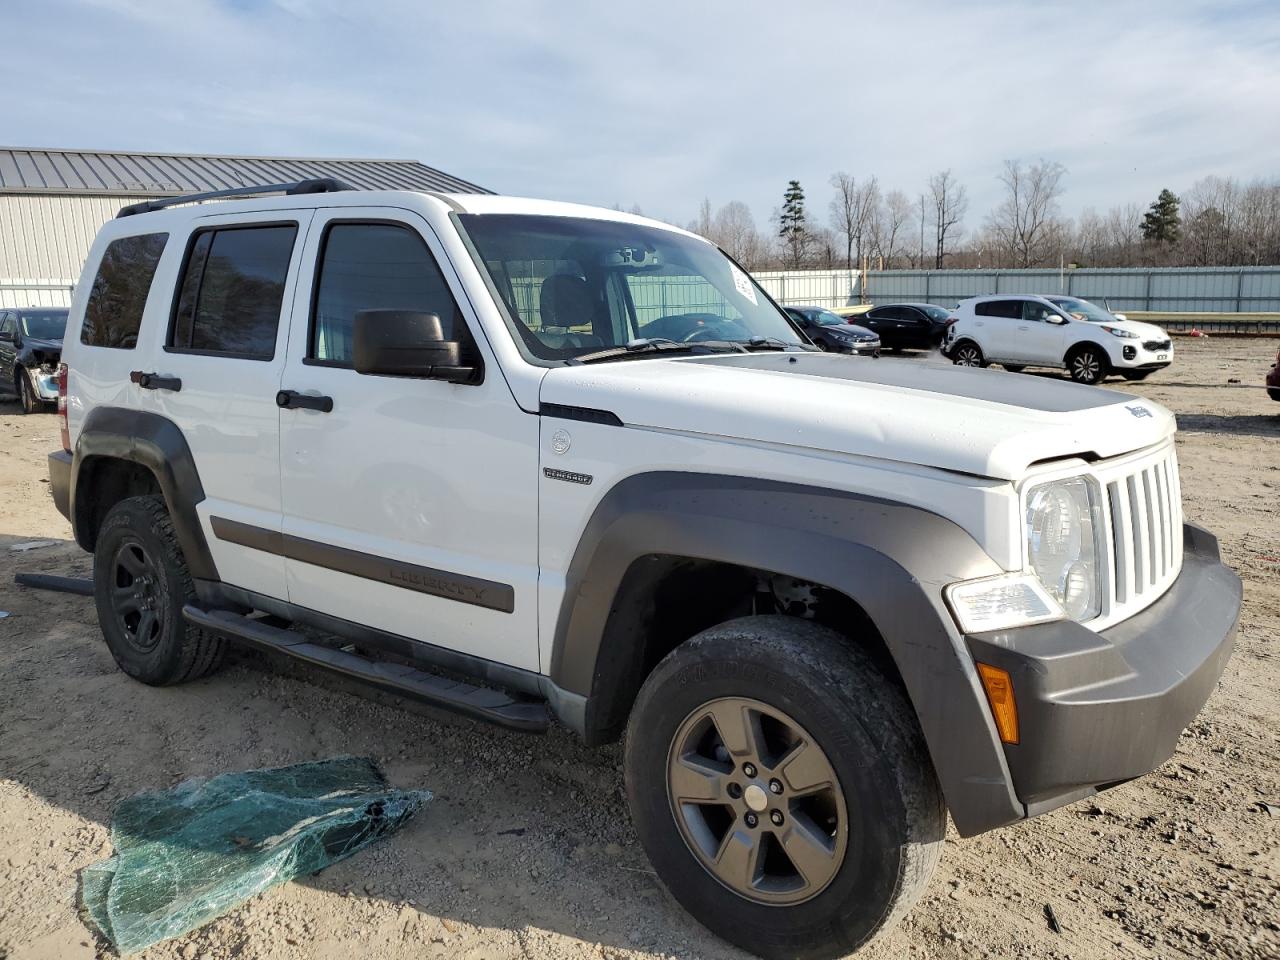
(1217, 221)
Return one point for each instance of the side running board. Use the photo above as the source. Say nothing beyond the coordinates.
(480, 703)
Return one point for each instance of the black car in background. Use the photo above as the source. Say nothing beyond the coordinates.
(907, 326)
(30, 350)
(832, 332)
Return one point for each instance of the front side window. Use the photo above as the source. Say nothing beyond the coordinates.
(232, 290)
(44, 324)
(1037, 312)
(374, 266)
(936, 313)
(825, 318)
(574, 285)
(113, 314)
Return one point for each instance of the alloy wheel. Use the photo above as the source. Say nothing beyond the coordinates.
(136, 596)
(1086, 367)
(757, 801)
(968, 356)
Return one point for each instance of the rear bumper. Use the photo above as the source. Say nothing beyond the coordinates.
(60, 481)
(1096, 709)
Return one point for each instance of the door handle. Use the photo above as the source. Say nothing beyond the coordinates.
(1024, 328)
(293, 400)
(153, 381)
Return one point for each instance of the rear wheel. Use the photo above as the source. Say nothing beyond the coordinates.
(1088, 365)
(781, 788)
(26, 390)
(141, 584)
(966, 353)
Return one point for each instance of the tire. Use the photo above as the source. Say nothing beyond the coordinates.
(27, 396)
(1136, 374)
(1013, 367)
(1088, 364)
(822, 345)
(140, 585)
(795, 678)
(1274, 393)
(966, 353)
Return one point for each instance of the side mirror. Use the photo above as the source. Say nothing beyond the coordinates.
(1120, 316)
(6, 338)
(1057, 318)
(404, 343)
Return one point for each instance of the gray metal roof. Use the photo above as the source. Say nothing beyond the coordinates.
(106, 173)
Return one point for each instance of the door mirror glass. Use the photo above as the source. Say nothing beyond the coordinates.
(406, 343)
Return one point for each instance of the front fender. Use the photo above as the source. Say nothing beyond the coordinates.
(893, 560)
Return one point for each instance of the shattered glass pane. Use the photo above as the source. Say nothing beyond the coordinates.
(189, 854)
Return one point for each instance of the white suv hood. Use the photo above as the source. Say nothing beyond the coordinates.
(989, 423)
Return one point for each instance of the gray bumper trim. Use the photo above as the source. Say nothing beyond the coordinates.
(1099, 708)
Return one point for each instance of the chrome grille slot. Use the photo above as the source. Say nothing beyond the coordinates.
(1144, 528)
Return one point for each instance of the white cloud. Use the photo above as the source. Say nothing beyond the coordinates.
(663, 103)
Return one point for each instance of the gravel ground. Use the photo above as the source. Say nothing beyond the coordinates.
(527, 850)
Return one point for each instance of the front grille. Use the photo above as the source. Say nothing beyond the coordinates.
(1157, 344)
(1143, 503)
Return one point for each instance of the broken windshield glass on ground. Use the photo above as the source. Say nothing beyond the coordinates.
(187, 855)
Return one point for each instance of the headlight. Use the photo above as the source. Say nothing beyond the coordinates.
(1063, 523)
(1122, 334)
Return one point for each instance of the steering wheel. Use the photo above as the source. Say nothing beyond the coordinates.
(701, 333)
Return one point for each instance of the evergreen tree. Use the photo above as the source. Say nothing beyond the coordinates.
(1161, 222)
(792, 226)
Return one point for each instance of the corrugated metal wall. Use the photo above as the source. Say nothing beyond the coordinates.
(1167, 290)
(49, 236)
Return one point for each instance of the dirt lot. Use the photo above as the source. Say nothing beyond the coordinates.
(527, 850)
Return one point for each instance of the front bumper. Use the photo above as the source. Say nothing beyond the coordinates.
(1135, 356)
(1096, 709)
(46, 385)
(60, 481)
(861, 348)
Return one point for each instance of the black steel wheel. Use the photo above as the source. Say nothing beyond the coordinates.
(1088, 365)
(780, 785)
(141, 584)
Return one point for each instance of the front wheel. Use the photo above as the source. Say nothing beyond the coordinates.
(780, 785)
(27, 395)
(1088, 365)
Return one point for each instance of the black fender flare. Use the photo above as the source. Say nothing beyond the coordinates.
(157, 444)
(891, 559)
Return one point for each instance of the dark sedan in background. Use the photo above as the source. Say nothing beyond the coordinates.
(907, 326)
(832, 332)
(30, 348)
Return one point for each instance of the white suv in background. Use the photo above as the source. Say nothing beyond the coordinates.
(1063, 332)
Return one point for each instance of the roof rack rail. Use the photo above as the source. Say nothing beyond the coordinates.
(318, 185)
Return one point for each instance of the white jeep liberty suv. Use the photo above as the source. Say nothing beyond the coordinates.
(527, 460)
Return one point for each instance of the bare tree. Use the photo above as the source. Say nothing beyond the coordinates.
(949, 203)
(852, 212)
(1025, 222)
(734, 230)
(896, 214)
(703, 225)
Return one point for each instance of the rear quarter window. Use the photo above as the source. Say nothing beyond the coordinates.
(113, 313)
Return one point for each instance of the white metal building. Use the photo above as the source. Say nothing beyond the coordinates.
(53, 201)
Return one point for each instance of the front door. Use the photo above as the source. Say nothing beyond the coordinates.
(410, 505)
(1039, 340)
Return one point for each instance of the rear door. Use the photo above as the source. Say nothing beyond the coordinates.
(996, 327)
(223, 355)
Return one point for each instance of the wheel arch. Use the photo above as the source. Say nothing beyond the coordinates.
(888, 560)
(121, 453)
(1081, 345)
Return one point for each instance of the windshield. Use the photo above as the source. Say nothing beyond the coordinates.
(936, 313)
(1082, 309)
(574, 286)
(827, 318)
(44, 324)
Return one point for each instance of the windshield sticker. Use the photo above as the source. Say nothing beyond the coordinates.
(743, 284)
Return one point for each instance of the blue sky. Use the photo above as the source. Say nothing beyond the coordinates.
(660, 104)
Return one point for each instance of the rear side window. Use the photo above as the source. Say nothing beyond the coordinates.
(119, 292)
(999, 308)
(231, 291)
(374, 266)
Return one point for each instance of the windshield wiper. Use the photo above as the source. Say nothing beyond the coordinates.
(768, 343)
(646, 346)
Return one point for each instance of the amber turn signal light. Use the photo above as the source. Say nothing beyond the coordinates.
(999, 689)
